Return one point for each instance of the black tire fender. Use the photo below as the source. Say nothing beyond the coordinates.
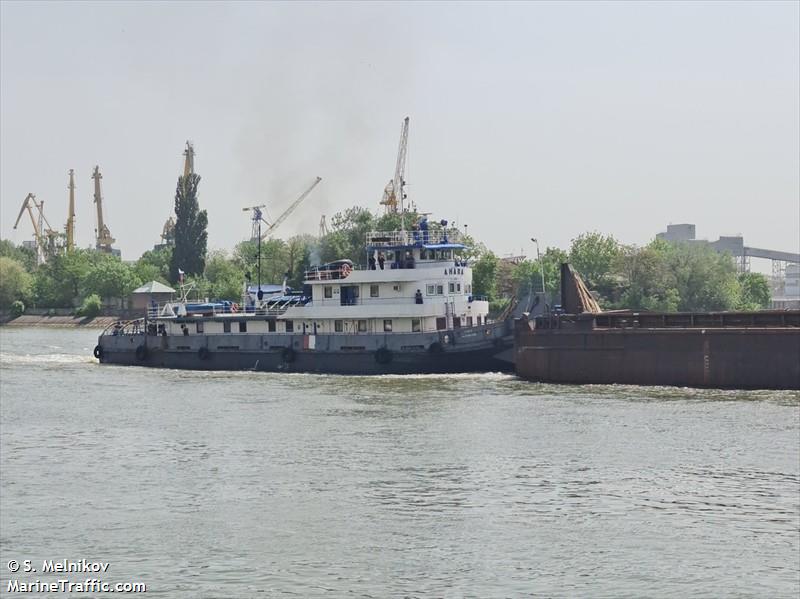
(98, 351)
(203, 353)
(288, 355)
(383, 355)
(141, 353)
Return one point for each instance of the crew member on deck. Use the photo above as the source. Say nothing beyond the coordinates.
(381, 259)
(418, 296)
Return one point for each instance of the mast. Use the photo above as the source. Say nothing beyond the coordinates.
(71, 213)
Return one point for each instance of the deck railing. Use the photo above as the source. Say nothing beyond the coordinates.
(404, 238)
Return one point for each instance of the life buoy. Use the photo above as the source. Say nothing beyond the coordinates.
(435, 348)
(141, 353)
(288, 355)
(346, 269)
(203, 353)
(383, 356)
(98, 352)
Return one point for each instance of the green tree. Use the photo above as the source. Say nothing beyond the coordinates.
(754, 292)
(154, 265)
(484, 275)
(57, 283)
(110, 278)
(15, 282)
(225, 278)
(594, 256)
(704, 279)
(91, 306)
(20, 253)
(648, 281)
(191, 236)
(348, 236)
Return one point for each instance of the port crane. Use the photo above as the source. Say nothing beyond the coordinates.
(394, 192)
(292, 207)
(168, 231)
(43, 233)
(70, 228)
(102, 233)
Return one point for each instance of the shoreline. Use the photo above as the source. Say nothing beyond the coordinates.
(29, 320)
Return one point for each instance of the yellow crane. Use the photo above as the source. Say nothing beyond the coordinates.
(44, 235)
(394, 192)
(102, 233)
(71, 214)
(168, 231)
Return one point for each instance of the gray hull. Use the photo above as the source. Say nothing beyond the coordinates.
(466, 350)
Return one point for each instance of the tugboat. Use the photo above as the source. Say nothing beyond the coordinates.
(409, 309)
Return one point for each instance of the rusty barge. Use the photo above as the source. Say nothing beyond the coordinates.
(583, 345)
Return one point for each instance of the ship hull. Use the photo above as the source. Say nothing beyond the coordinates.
(462, 351)
(729, 357)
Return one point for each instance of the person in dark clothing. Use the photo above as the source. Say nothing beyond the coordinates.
(418, 296)
(372, 262)
(381, 260)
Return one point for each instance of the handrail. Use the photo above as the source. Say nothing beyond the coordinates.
(419, 238)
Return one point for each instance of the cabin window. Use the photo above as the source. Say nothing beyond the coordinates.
(456, 322)
(458, 287)
(242, 326)
(440, 290)
(328, 291)
(226, 327)
(338, 326)
(387, 326)
(271, 326)
(290, 326)
(441, 323)
(415, 325)
(469, 321)
(362, 326)
(479, 321)
(396, 287)
(199, 326)
(451, 288)
(431, 289)
(374, 290)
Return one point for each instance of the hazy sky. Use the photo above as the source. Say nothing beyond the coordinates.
(539, 119)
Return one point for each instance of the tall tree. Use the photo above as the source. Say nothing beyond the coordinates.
(191, 237)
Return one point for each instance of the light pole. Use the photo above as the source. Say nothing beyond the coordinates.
(541, 266)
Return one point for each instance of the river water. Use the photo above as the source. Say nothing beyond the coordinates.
(214, 484)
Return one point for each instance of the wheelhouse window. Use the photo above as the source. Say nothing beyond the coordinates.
(271, 326)
(451, 288)
(290, 326)
(362, 326)
(242, 326)
(431, 289)
(199, 326)
(387, 326)
(440, 290)
(415, 325)
(338, 326)
(458, 287)
(327, 291)
(226, 327)
(374, 290)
